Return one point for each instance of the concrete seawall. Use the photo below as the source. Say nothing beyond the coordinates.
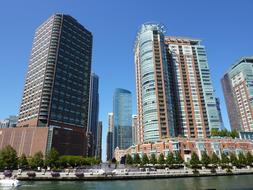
(64, 176)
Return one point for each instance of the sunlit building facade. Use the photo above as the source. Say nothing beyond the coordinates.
(237, 86)
(175, 95)
(154, 105)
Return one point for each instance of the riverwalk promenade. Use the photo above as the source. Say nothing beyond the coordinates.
(124, 174)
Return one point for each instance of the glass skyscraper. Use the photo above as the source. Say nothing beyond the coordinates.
(154, 106)
(237, 86)
(93, 115)
(122, 118)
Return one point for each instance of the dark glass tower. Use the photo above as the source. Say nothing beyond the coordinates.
(56, 92)
(93, 115)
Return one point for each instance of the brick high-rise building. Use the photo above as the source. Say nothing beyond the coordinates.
(237, 85)
(196, 110)
(56, 91)
(175, 95)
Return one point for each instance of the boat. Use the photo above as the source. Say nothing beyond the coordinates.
(9, 182)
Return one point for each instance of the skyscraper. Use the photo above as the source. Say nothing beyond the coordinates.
(134, 130)
(217, 100)
(109, 138)
(122, 118)
(196, 111)
(56, 91)
(237, 85)
(154, 106)
(93, 115)
(98, 153)
(175, 95)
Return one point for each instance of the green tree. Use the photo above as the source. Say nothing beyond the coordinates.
(51, 158)
(215, 159)
(137, 159)
(224, 159)
(22, 161)
(36, 160)
(205, 160)
(161, 160)
(194, 162)
(129, 160)
(241, 159)
(233, 159)
(249, 158)
(153, 159)
(8, 157)
(170, 159)
(178, 158)
(144, 159)
(224, 133)
(214, 132)
(234, 134)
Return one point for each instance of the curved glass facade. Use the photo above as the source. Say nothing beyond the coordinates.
(153, 78)
(122, 118)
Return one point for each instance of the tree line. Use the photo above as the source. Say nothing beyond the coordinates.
(224, 133)
(213, 161)
(52, 159)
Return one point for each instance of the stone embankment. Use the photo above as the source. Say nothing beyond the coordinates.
(124, 174)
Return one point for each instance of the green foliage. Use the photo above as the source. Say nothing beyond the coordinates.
(8, 158)
(129, 159)
(153, 159)
(74, 161)
(51, 158)
(234, 134)
(249, 158)
(161, 160)
(205, 160)
(170, 159)
(233, 159)
(36, 160)
(215, 160)
(137, 159)
(194, 162)
(224, 159)
(224, 133)
(242, 159)
(144, 159)
(22, 161)
(178, 158)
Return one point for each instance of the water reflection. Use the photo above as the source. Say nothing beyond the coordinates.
(203, 183)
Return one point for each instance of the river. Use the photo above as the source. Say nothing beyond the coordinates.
(243, 182)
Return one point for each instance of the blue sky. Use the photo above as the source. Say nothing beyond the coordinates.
(224, 26)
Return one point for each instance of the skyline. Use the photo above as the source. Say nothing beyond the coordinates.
(105, 60)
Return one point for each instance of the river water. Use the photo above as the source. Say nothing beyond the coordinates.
(243, 182)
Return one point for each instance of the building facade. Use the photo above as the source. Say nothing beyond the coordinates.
(195, 103)
(9, 122)
(175, 95)
(154, 105)
(186, 146)
(98, 153)
(134, 130)
(93, 114)
(109, 138)
(122, 118)
(56, 91)
(217, 100)
(237, 86)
